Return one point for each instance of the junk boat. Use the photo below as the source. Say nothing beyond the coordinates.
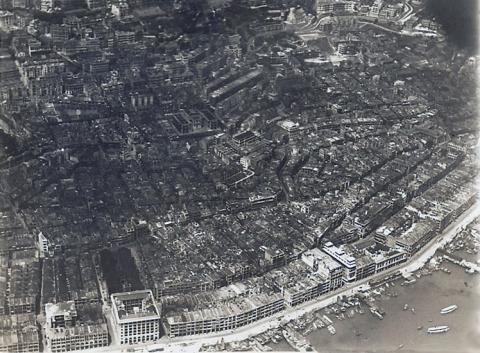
(438, 329)
(448, 309)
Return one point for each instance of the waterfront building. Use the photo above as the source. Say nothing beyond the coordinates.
(323, 264)
(229, 316)
(305, 289)
(346, 259)
(136, 316)
(385, 258)
(69, 328)
(77, 338)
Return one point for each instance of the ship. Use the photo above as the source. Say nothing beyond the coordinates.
(295, 340)
(438, 329)
(449, 309)
(331, 329)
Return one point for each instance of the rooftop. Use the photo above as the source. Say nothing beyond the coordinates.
(135, 305)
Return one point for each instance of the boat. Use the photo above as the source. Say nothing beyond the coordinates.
(289, 338)
(331, 329)
(376, 312)
(327, 320)
(448, 309)
(405, 307)
(438, 329)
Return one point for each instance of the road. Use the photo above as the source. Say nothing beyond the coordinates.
(407, 15)
(365, 23)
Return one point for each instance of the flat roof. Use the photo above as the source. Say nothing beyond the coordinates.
(146, 310)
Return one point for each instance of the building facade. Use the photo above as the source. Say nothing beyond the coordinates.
(136, 316)
(66, 330)
(226, 317)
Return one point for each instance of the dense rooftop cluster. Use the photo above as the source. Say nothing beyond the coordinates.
(191, 146)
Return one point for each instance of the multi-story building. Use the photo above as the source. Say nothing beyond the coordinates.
(124, 38)
(332, 6)
(18, 333)
(232, 315)
(42, 78)
(136, 316)
(59, 33)
(13, 341)
(325, 265)
(43, 245)
(24, 285)
(385, 258)
(376, 8)
(7, 20)
(96, 4)
(305, 289)
(120, 9)
(61, 314)
(46, 5)
(78, 338)
(344, 258)
(34, 69)
(69, 330)
(141, 100)
(231, 88)
(315, 274)
(20, 4)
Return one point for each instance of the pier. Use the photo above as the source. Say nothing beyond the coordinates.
(460, 261)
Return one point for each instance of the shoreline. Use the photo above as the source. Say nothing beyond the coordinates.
(278, 320)
(418, 261)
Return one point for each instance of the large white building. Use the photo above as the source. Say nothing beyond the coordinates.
(136, 317)
(344, 258)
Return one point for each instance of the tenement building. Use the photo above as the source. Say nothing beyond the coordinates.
(71, 328)
(18, 333)
(228, 316)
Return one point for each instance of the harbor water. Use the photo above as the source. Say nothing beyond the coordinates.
(405, 330)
